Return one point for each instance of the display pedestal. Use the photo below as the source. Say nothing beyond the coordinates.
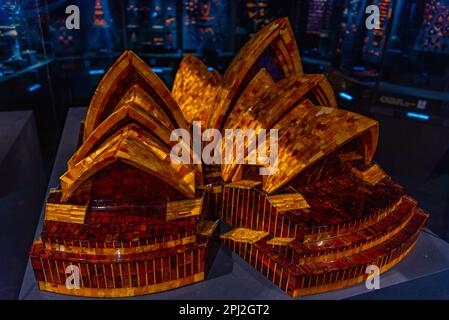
(232, 278)
(21, 190)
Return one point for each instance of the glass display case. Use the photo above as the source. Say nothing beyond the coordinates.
(360, 53)
(362, 49)
(255, 14)
(152, 26)
(25, 62)
(64, 42)
(320, 21)
(100, 33)
(415, 71)
(206, 26)
(21, 37)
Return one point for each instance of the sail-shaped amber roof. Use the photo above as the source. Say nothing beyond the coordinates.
(133, 146)
(263, 88)
(126, 72)
(275, 43)
(195, 88)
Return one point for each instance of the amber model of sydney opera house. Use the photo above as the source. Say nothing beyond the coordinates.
(133, 222)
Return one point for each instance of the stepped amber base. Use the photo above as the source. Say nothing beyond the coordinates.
(271, 233)
(284, 283)
(306, 251)
(350, 282)
(121, 292)
(118, 275)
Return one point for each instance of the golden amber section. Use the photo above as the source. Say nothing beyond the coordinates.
(319, 132)
(65, 213)
(127, 112)
(195, 88)
(121, 292)
(126, 72)
(140, 99)
(253, 94)
(243, 184)
(280, 241)
(184, 209)
(137, 149)
(288, 201)
(373, 175)
(278, 37)
(122, 251)
(279, 107)
(244, 235)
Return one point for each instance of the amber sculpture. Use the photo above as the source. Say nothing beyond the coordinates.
(134, 223)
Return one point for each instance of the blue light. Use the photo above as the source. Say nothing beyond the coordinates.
(96, 72)
(418, 116)
(359, 68)
(34, 87)
(346, 96)
(157, 70)
(210, 69)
